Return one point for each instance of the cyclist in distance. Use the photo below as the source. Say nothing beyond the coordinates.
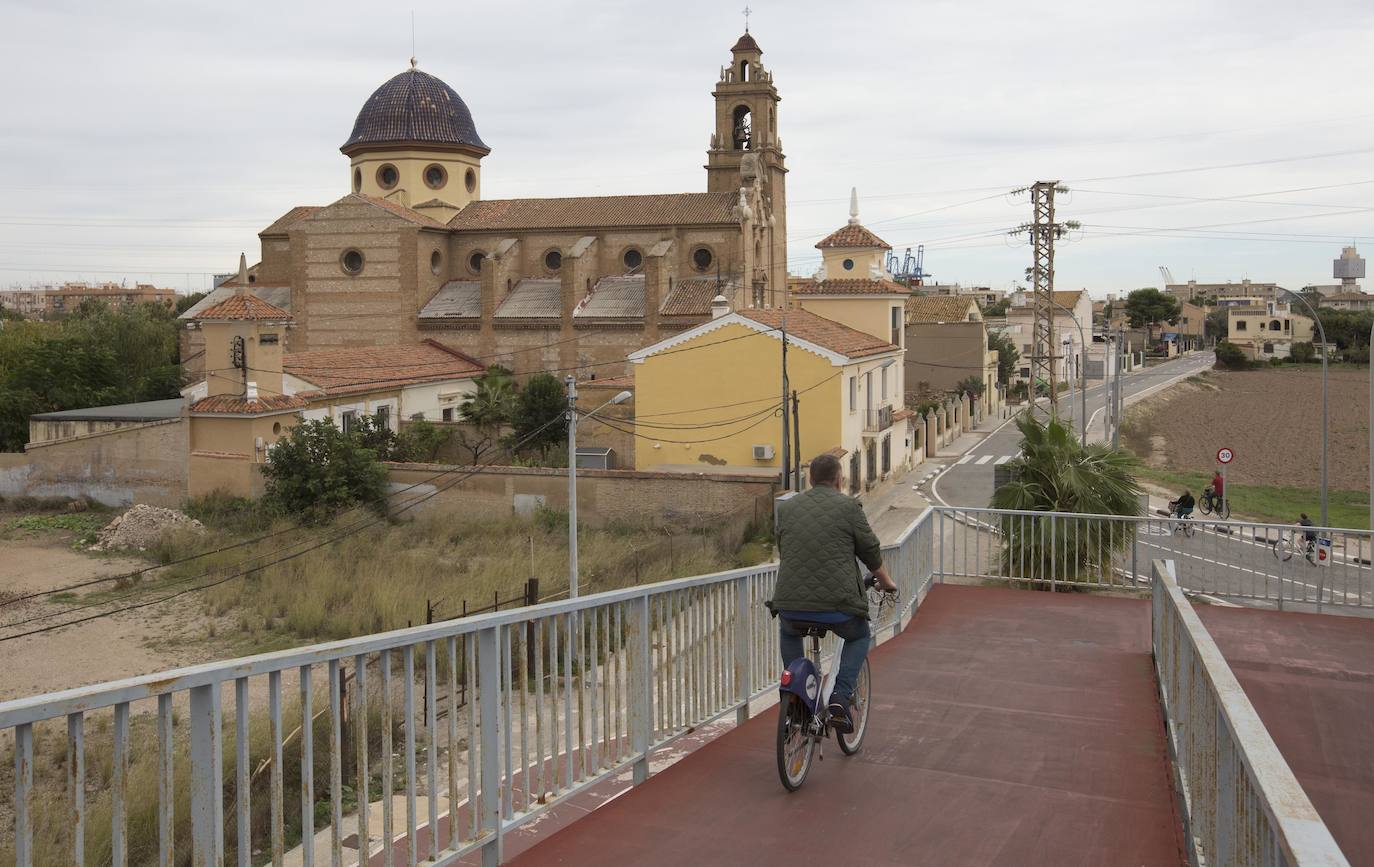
(820, 534)
(1308, 535)
(1183, 506)
(1216, 485)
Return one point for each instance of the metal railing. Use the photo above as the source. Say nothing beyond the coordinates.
(1223, 559)
(560, 696)
(1242, 803)
(877, 420)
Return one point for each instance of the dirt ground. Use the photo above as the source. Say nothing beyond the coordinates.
(1270, 418)
(125, 645)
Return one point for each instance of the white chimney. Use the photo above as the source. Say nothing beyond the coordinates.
(853, 206)
(252, 391)
(719, 307)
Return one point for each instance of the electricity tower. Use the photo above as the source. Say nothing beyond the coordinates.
(1043, 232)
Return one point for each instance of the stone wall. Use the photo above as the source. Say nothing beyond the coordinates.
(140, 464)
(603, 496)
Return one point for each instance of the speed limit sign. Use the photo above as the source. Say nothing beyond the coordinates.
(1224, 456)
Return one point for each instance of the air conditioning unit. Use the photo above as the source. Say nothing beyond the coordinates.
(763, 453)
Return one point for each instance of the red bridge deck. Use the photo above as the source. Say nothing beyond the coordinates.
(1010, 728)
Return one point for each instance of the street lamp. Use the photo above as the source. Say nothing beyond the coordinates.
(572, 474)
(1322, 331)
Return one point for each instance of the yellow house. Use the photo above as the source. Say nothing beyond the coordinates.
(707, 399)
(1267, 330)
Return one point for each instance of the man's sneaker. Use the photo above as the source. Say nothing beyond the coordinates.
(840, 720)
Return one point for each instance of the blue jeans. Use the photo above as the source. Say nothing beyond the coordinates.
(855, 633)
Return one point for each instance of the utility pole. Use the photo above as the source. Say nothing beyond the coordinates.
(786, 431)
(796, 440)
(572, 485)
(1043, 232)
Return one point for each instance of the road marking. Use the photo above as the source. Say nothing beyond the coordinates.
(984, 459)
(1003, 459)
(965, 459)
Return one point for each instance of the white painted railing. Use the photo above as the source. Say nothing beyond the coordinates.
(561, 696)
(1225, 559)
(1242, 802)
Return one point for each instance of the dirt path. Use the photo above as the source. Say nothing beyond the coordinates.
(124, 645)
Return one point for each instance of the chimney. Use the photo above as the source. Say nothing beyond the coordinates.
(853, 206)
(243, 273)
(252, 391)
(719, 307)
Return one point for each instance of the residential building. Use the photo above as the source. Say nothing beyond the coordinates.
(1349, 301)
(946, 343)
(1267, 331)
(1193, 290)
(414, 251)
(28, 303)
(1073, 318)
(986, 296)
(69, 296)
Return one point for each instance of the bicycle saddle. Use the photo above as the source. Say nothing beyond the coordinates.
(810, 627)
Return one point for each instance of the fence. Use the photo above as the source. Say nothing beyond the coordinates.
(564, 694)
(1242, 803)
(1225, 559)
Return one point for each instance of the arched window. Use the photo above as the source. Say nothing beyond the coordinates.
(1275, 326)
(744, 70)
(743, 128)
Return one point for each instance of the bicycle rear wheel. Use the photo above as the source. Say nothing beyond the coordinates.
(1282, 549)
(795, 744)
(1188, 528)
(1205, 504)
(863, 693)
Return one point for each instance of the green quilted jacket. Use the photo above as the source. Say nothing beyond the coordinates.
(820, 532)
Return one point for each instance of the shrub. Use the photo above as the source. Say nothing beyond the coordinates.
(1231, 357)
(1303, 352)
(316, 470)
(419, 442)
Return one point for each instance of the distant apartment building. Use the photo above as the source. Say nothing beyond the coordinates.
(1193, 290)
(69, 296)
(985, 296)
(29, 303)
(1349, 301)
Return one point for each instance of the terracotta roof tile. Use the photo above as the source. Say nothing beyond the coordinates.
(849, 286)
(234, 404)
(852, 235)
(289, 219)
(399, 210)
(674, 209)
(1067, 298)
(902, 414)
(415, 107)
(941, 308)
(374, 368)
(826, 333)
(747, 43)
(242, 306)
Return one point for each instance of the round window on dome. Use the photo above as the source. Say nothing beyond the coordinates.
(470, 179)
(848, 264)
(632, 258)
(702, 257)
(357, 180)
(388, 176)
(436, 261)
(475, 262)
(553, 260)
(352, 262)
(436, 176)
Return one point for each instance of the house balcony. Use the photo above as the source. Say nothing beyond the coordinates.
(877, 420)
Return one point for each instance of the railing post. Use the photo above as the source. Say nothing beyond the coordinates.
(1135, 551)
(744, 657)
(640, 685)
(206, 788)
(1224, 819)
(489, 697)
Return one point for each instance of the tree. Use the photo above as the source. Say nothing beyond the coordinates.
(1007, 356)
(186, 302)
(1303, 352)
(998, 309)
(1056, 473)
(972, 386)
(317, 469)
(1231, 357)
(487, 410)
(1217, 326)
(370, 433)
(419, 442)
(543, 400)
(1149, 306)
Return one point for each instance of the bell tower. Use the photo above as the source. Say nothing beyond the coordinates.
(747, 124)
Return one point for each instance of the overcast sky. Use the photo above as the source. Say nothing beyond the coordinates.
(151, 141)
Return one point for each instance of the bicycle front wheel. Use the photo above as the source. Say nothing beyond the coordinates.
(1282, 550)
(1189, 529)
(1205, 504)
(795, 744)
(863, 693)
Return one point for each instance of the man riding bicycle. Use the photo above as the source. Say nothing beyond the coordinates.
(1183, 506)
(1309, 535)
(820, 533)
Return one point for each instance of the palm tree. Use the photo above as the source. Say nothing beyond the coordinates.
(1056, 473)
(487, 409)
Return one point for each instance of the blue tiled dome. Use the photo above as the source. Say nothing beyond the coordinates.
(414, 107)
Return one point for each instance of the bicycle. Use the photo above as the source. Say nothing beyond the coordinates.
(1210, 502)
(803, 711)
(1180, 523)
(1292, 542)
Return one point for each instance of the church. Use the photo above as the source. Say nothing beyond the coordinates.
(415, 253)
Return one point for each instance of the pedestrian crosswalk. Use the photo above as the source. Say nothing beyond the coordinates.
(979, 460)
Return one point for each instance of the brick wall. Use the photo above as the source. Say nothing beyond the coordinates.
(603, 496)
(141, 464)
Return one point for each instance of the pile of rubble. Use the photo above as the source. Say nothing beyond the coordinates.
(141, 527)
